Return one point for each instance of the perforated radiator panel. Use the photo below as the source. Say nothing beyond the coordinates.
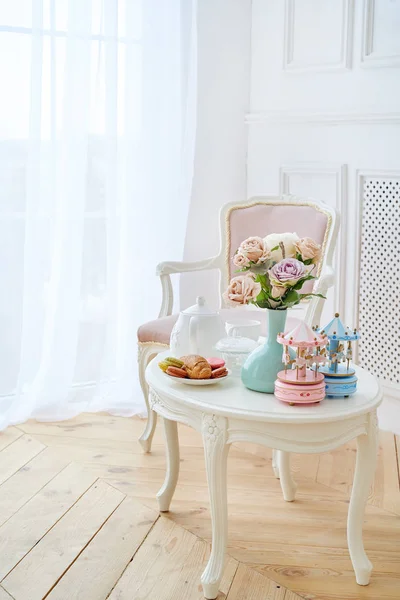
(379, 309)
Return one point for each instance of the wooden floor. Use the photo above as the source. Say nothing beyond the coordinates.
(79, 520)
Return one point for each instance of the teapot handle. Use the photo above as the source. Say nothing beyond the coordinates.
(193, 328)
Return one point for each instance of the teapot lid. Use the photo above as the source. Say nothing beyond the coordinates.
(200, 308)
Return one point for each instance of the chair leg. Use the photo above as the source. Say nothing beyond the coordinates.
(275, 466)
(146, 438)
(145, 353)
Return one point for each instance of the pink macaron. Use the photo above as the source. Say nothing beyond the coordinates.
(215, 362)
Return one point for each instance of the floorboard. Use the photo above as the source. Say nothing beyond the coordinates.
(4, 595)
(28, 481)
(45, 564)
(94, 574)
(251, 585)
(17, 454)
(8, 436)
(27, 526)
(158, 563)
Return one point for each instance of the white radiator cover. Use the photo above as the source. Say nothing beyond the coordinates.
(379, 301)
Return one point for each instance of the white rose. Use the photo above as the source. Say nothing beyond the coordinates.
(288, 239)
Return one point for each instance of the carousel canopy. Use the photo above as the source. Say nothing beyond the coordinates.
(335, 330)
(302, 335)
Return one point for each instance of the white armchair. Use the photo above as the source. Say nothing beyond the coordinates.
(258, 216)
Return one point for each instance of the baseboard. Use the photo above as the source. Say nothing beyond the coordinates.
(389, 410)
(391, 390)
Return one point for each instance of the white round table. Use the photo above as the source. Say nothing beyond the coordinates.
(227, 412)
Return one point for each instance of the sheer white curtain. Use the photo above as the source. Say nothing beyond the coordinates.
(97, 127)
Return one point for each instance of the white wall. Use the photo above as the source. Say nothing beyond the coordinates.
(220, 162)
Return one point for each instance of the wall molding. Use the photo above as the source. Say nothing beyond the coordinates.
(339, 172)
(292, 117)
(346, 42)
(370, 58)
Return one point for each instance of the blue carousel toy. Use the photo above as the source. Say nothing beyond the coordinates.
(340, 376)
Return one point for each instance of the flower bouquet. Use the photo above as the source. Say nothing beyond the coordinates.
(273, 271)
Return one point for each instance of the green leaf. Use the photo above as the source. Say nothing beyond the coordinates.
(292, 297)
(308, 261)
(263, 280)
(298, 285)
(301, 282)
(275, 248)
(260, 302)
(302, 296)
(262, 296)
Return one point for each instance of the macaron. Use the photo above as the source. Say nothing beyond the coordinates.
(215, 362)
(176, 372)
(217, 373)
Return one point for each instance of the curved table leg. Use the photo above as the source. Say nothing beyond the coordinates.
(216, 454)
(275, 466)
(167, 490)
(287, 484)
(367, 450)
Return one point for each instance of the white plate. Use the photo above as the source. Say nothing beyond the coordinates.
(188, 381)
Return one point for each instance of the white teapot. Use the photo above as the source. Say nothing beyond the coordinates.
(197, 330)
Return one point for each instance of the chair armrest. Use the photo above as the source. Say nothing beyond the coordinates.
(324, 281)
(165, 269)
(171, 267)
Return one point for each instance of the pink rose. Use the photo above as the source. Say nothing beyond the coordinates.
(287, 272)
(241, 290)
(277, 291)
(241, 261)
(308, 249)
(255, 249)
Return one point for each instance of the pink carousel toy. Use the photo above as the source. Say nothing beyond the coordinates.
(297, 383)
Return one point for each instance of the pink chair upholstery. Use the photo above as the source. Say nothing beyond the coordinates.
(157, 331)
